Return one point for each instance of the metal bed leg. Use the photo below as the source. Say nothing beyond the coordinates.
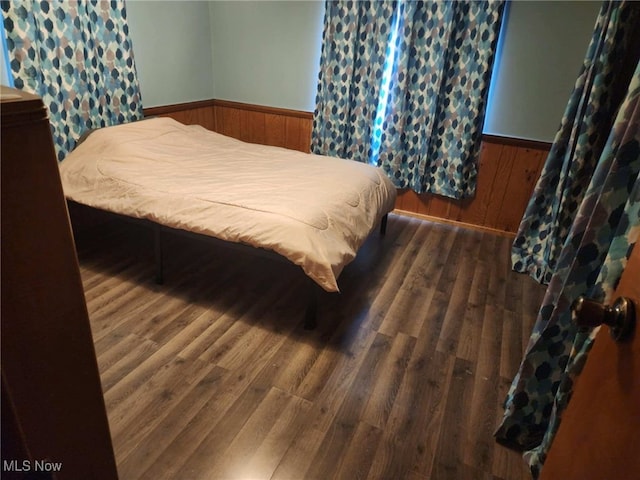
(157, 231)
(311, 313)
(383, 224)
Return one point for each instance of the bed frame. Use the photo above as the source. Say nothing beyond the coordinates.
(311, 311)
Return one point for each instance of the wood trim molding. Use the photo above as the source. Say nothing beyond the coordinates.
(457, 223)
(178, 107)
(263, 109)
(212, 103)
(517, 142)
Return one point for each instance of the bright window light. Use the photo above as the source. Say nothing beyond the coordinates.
(389, 63)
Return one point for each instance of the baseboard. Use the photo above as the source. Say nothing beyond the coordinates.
(456, 223)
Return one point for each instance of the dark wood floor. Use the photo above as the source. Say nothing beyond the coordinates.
(212, 376)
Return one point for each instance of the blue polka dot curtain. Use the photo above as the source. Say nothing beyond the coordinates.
(597, 164)
(403, 85)
(77, 56)
(577, 146)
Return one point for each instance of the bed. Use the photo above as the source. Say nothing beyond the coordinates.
(312, 210)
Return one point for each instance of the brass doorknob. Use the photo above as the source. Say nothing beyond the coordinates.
(620, 317)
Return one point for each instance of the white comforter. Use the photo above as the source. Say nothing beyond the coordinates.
(316, 211)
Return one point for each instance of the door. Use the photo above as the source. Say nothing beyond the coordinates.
(599, 434)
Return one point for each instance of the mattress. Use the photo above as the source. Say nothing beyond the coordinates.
(314, 210)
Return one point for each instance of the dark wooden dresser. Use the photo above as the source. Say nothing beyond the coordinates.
(54, 423)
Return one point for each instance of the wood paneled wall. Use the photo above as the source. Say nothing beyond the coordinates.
(264, 125)
(507, 174)
(250, 123)
(508, 168)
(193, 113)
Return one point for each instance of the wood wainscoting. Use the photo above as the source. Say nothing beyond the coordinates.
(192, 113)
(507, 172)
(250, 123)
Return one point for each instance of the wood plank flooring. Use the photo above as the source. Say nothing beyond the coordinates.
(212, 376)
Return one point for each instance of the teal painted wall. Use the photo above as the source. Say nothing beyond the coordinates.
(260, 52)
(543, 47)
(267, 52)
(4, 67)
(172, 48)
(4, 79)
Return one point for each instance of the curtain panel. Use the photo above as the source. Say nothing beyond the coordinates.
(403, 85)
(603, 232)
(77, 56)
(578, 144)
